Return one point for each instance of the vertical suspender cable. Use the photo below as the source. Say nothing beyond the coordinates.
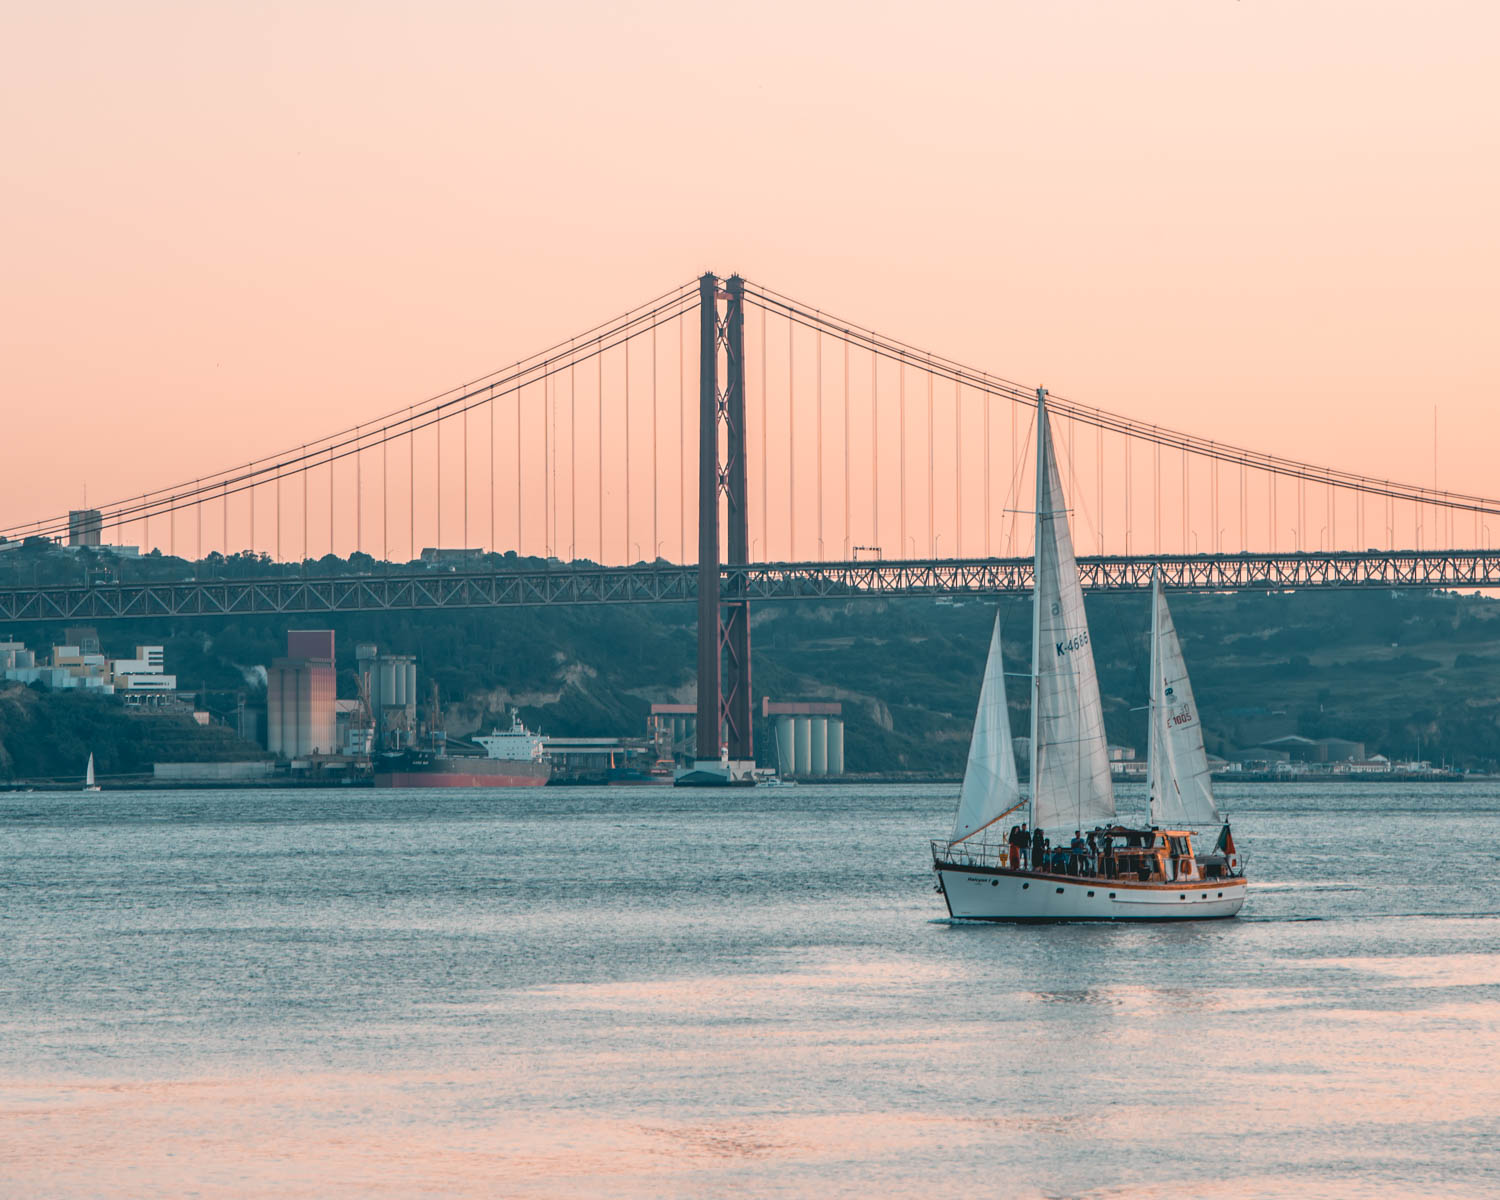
(465, 432)
(791, 443)
(655, 515)
(599, 490)
(901, 446)
(627, 451)
(520, 395)
(931, 480)
(572, 454)
(494, 520)
(984, 397)
(958, 469)
(765, 421)
(818, 440)
(1099, 483)
(848, 531)
(1156, 500)
(875, 452)
(1187, 485)
(411, 480)
(548, 384)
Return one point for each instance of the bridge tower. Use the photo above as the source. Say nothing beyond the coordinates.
(724, 702)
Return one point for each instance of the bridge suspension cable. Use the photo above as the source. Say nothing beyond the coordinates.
(940, 366)
(399, 423)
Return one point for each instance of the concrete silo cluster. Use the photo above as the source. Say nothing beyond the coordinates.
(809, 737)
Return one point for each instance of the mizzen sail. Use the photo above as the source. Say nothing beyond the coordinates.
(1177, 773)
(990, 787)
(1071, 784)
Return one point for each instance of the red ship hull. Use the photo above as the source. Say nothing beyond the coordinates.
(438, 779)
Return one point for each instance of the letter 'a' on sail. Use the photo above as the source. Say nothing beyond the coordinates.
(1072, 786)
(991, 787)
(1178, 779)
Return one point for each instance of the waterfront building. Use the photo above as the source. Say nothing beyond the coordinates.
(300, 695)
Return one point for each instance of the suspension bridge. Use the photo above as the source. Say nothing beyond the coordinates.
(725, 444)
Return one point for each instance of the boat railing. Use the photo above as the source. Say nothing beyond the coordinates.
(967, 854)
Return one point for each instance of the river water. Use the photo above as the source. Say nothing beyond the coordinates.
(647, 992)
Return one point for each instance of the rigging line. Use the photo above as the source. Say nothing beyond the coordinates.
(1151, 433)
(685, 292)
(313, 458)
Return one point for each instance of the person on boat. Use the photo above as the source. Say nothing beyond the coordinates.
(1023, 842)
(1013, 860)
(1038, 850)
(1079, 854)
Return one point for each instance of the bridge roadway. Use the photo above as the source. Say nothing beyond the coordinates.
(406, 588)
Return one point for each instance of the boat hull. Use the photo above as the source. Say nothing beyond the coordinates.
(446, 779)
(976, 893)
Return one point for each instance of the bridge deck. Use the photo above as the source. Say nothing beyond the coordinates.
(407, 589)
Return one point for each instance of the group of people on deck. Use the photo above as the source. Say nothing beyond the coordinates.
(1086, 854)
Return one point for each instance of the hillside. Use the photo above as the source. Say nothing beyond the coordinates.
(1391, 669)
(50, 735)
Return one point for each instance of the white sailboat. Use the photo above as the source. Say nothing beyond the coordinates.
(1116, 873)
(88, 778)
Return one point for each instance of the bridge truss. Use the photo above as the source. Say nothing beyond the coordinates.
(665, 583)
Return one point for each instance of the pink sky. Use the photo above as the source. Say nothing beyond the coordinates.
(231, 229)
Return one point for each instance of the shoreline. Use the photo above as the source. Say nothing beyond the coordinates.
(22, 787)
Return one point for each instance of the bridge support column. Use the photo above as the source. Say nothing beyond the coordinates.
(724, 718)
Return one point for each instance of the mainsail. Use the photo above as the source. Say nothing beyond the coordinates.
(1071, 785)
(990, 787)
(1177, 775)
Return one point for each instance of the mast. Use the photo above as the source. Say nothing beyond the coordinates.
(1036, 600)
(1152, 766)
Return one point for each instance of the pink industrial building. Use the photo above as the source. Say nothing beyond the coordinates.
(300, 695)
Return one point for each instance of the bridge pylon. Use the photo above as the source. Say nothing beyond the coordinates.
(724, 699)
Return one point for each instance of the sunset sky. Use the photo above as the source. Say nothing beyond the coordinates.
(233, 228)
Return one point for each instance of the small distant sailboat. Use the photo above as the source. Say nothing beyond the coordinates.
(1116, 873)
(88, 778)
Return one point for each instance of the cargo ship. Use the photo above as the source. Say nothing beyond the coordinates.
(512, 758)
